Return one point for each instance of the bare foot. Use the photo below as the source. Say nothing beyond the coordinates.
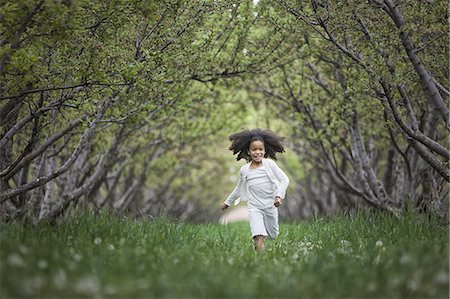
(259, 242)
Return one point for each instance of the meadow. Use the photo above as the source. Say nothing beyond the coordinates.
(367, 256)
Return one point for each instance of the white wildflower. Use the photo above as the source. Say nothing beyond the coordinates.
(88, 285)
(77, 257)
(97, 241)
(379, 243)
(32, 285)
(15, 260)
(24, 250)
(110, 289)
(345, 243)
(442, 278)
(413, 285)
(405, 259)
(111, 247)
(42, 264)
(60, 279)
(371, 286)
(142, 284)
(230, 261)
(377, 260)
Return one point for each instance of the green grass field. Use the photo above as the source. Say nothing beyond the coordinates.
(342, 257)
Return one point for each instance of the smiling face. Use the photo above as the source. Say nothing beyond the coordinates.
(256, 151)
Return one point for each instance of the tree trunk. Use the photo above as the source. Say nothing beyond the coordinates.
(372, 185)
(5, 195)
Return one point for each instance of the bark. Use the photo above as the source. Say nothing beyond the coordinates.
(24, 160)
(49, 188)
(110, 196)
(372, 185)
(6, 157)
(37, 194)
(10, 110)
(399, 190)
(396, 146)
(100, 172)
(20, 124)
(426, 80)
(389, 171)
(415, 132)
(421, 150)
(122, 204)
(338, 178)
(7, 194)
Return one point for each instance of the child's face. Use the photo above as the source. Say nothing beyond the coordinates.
(257, 151)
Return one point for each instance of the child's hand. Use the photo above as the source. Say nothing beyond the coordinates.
(278, 201)
(224, 206)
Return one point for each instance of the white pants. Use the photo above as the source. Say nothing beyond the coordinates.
(263, 222)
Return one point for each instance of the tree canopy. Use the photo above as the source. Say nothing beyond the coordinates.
(127, 105)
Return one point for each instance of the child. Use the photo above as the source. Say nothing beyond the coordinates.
(260, 181)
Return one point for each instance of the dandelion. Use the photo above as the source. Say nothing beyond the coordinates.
(77, 257)
(379, 243)
(245, 51)
(32, 285)
(111, 247)
(88, 285)
(60, 279)
(345, 243)
(23, 249)
(142, 284)
(97, 241)
(405, 259)
(377, 260)
(42, 264)
(371, 286)
(110, 289)
(14, 260)
(413, 285)
(442, 278)
(230, 261)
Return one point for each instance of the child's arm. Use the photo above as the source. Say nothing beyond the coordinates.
(234, 195)
(284, 181)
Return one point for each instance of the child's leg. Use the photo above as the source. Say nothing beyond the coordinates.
(271, 222)
(259, 242)
(257, 227)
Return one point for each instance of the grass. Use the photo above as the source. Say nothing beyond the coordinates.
(342, 257)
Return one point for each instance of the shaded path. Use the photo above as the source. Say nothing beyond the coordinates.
(239, 213)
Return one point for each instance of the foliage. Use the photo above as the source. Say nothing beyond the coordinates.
(367, 256)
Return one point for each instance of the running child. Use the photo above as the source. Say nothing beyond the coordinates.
(261, 181)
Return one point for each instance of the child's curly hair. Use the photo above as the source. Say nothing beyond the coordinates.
(240, 143)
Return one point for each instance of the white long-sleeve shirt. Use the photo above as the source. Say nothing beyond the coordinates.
(279, 180)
